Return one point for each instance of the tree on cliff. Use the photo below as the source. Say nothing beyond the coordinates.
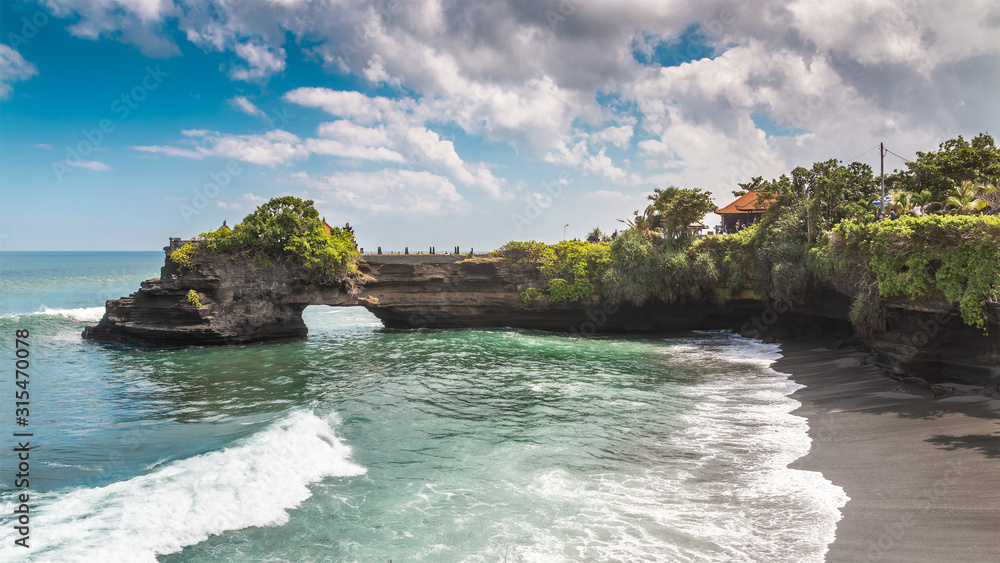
(955, 161)
(676, 208)
(289, 226)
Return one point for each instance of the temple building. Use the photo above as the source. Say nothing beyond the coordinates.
(747, 209)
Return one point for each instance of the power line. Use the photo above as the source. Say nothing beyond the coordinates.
(862, 154)
(897, 156)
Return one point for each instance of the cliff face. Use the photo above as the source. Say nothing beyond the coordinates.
(930, 341)
(447, 291)
(241, 302)
(245, 301)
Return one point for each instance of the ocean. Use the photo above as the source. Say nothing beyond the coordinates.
(361, 443)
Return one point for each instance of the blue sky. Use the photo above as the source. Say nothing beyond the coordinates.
(437, 123)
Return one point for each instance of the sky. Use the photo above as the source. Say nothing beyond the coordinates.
(456, 122)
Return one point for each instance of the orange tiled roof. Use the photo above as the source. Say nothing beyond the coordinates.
(749, 202)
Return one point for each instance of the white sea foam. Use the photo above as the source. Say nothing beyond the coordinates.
(749, 421)
(81, 314)
(253, 483)
(726, 495)
(89, 314)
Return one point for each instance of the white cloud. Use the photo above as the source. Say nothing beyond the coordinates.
(843, 75)
(396, 130)
(375, 72)
(173, 151)
(246, 106)
(42, 146)
(245, 201)
(88, 164)
(604, 194)
(389, 190)
(601, 164)
(332, 147)
(351, 105)
(262, 61)
(136, 22)
(619, 136)
(13, 68)
(268, 149)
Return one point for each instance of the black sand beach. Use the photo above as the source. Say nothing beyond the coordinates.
(922, 473)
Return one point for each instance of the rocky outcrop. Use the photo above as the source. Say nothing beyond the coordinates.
(930, 341)
(245, 301)
(240, 302)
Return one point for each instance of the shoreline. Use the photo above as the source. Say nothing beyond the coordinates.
(922, 474)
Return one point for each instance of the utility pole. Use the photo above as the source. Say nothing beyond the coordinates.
(564, 230)
(881, 202)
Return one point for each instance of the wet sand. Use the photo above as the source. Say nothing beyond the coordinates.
(923, 474)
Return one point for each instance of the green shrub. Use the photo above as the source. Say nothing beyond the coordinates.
(573, 269)
(532, 296)
(523, 252)
(192, 298)
(289, 226)
(640, 269)
(629, 276)
(184, 257)
(921, 257)
(867, 313)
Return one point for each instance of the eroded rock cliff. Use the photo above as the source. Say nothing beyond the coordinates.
(245, 301)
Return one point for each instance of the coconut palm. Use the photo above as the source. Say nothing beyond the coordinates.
(965, 198)
(989, 193)
(901, 203)
(643, 224)
(925, 200)
(596, 235)
(922, 198)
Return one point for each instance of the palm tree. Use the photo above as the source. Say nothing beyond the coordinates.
(922, 198)
(596, 235)
(989, 193)
(901, 202)
(643, 224)
(965, 198)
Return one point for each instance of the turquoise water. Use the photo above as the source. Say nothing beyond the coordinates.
(366, 444)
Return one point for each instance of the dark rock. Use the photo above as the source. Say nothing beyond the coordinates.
(245, 301)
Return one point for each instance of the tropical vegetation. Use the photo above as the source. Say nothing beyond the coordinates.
(938, 237)
(284, 227)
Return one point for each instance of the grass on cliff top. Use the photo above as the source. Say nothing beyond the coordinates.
(283, 227)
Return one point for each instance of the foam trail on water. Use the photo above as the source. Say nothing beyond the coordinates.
(89, 314)
(253, 483)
